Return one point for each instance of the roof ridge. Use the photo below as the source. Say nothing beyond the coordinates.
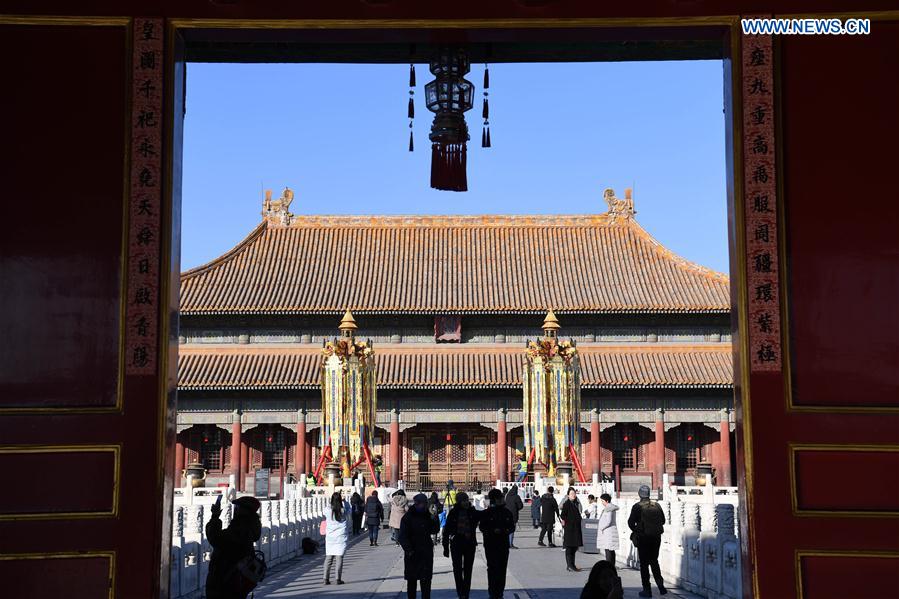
(197, 270)
(445, 220)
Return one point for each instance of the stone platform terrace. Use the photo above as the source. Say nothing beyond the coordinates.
(377, 573)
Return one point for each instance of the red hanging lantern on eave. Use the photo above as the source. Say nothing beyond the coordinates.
(449, 96)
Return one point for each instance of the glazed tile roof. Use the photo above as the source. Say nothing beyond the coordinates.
(452, 265)
(466, 366)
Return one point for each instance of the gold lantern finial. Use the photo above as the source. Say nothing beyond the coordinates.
(550, 324)
(347, 325)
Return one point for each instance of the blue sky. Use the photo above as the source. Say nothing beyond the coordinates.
(338, 135)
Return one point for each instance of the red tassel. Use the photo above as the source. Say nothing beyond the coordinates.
(411, 143)
(486, 77)
(485, 113)
(411, 109)
(411, 75)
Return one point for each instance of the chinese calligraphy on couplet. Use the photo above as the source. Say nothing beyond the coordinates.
(760, 184)
(145, 198)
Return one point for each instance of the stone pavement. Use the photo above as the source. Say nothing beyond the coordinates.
(377, 573)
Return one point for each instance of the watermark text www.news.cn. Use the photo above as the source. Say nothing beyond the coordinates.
(806, 26)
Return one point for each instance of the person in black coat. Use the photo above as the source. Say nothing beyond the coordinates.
(416, 529)
(231, 545)
(496, 524)
(514, 504)
(572, 536)
(374, 515)
(357, 508)
(460, 540)
(549, 510)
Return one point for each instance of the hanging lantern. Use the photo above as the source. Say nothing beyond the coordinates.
(449, 96)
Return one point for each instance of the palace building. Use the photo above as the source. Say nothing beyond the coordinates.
(449, 303)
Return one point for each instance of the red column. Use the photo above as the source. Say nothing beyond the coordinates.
(299, 454)
(595, 446)
(724, 452)
(502, 467)
(394, 447)
(244, 464)
(235, 448)
(179, 462)
(659, 452)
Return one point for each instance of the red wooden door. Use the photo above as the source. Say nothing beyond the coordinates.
(85, 433)
(821, 411)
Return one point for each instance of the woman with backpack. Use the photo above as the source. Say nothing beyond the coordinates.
(399, 504)
(337, 527)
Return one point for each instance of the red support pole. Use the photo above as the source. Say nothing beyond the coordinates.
(394, 447)
(299, 454)
(659, 452)
(366, 453)
(577, 463)
(502, 467)
(244, 463)
(235, 449)
(179, 462)
(326, 451)
(595, 446)
(724, 452)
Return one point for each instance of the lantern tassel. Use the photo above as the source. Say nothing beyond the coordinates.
(411, 109)
(488, 137)
(448, 167)
(411, 143)
(411, 75)
(485, 113)
(486, 77)
(484, 137)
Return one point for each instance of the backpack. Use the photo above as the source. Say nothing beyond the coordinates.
(652, 518)
(309, 546)
(247, 573)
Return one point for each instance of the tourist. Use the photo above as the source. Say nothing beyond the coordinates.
(514, 504)
(603, 583)
(572, 535)
(535, 509)
(549, 510)
(496, 525)
(416, 529)
(310, 481)
(435, 507)
(607, 527)
(476, 484)
(358, 507)
(460, 541)
(591, 509)
(337, 527)
(449, 497)
(374, 515)
(398, 506)
(231, 545)
(647, 523)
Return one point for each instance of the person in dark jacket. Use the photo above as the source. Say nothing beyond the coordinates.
(647, 542)
(549, 510)
(514, 504)
(435, 507)
(416, 529)
(603, 583)
(496, 525)
(374, 515)
(572, 536)
(357, 506)
(460, 541)
(231, 545)
(535, 509)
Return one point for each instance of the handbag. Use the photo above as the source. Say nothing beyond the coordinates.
(323, 528)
